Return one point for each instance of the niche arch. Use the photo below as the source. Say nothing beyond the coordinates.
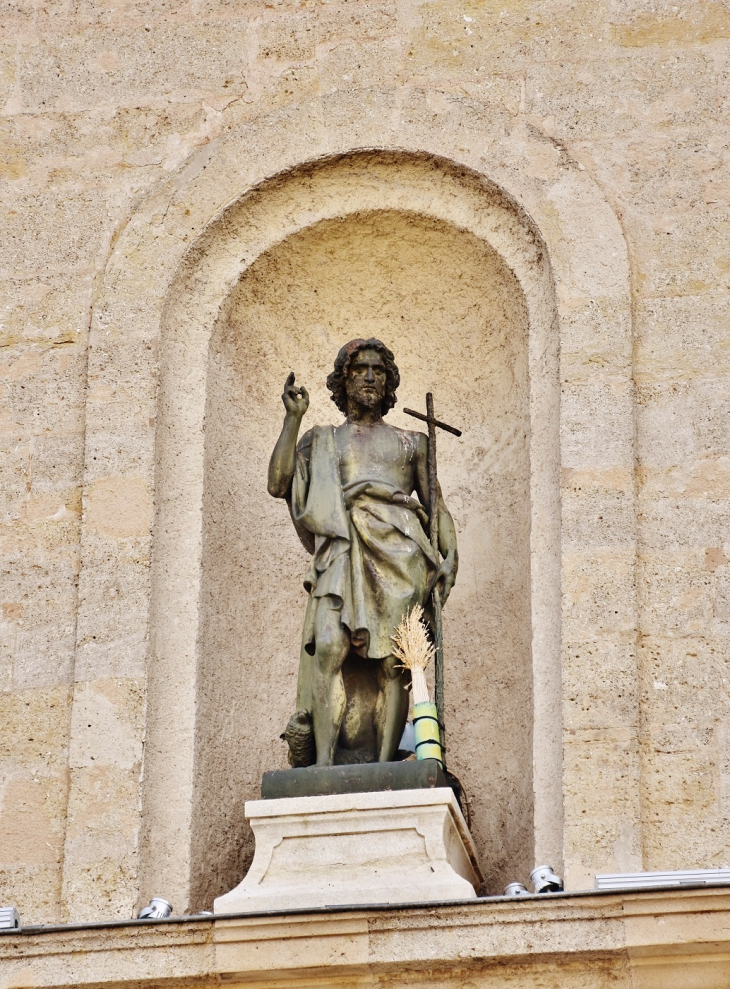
(145, 637)
(356, 192)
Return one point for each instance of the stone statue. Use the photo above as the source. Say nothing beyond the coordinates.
(350, 493)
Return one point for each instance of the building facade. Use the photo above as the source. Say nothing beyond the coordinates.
(528, 201)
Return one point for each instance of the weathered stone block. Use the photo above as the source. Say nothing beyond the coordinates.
(382, 847)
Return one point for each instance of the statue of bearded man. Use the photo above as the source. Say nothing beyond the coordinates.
(350, 491)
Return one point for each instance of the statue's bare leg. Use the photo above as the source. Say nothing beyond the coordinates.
(328, 689)
(393, 707)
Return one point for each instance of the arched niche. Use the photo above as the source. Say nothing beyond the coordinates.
(452, 273)
(456, 318)
(172, 263)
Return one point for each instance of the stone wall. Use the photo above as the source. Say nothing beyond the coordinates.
(652, 940)
(457, 322)
(358, 241)
(128, 129)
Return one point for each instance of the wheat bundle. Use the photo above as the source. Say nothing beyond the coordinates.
(412, 646)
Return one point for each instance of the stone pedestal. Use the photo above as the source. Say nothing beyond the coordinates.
(356, 848)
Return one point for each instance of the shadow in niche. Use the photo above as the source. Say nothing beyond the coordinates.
(456, 318)
(357, 741)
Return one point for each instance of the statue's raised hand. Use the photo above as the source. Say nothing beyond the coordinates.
(295, 399)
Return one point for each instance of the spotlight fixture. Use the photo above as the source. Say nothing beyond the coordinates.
(655, 880)
(545, 881)
(516, 889)
(9, 919)
(157, 909)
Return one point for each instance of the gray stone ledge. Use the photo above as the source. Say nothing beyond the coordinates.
(637, 941)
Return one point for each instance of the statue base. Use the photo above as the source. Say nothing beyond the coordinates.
(401, 846)
(366, 777)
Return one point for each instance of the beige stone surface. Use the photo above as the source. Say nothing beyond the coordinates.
(390, 847)
(416, 283)
(356, 185)
(131, 136)
(652, 941)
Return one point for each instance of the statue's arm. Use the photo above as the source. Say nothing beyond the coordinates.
(446, 575)
(284, 458)
(447, 532)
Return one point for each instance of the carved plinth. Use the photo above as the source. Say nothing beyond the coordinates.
(368, 777)
(356, 848)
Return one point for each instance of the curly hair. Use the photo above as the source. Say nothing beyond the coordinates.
(336, 380)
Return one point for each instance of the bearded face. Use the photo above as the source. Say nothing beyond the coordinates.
(366, 379)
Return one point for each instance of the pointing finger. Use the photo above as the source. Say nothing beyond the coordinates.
(289, 380)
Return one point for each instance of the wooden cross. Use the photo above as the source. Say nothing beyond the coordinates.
(434, 532)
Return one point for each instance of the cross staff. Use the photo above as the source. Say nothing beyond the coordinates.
(433, 512)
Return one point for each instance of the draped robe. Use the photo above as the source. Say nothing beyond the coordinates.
(370, 555)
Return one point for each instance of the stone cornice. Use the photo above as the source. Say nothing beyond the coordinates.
(652, 940)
